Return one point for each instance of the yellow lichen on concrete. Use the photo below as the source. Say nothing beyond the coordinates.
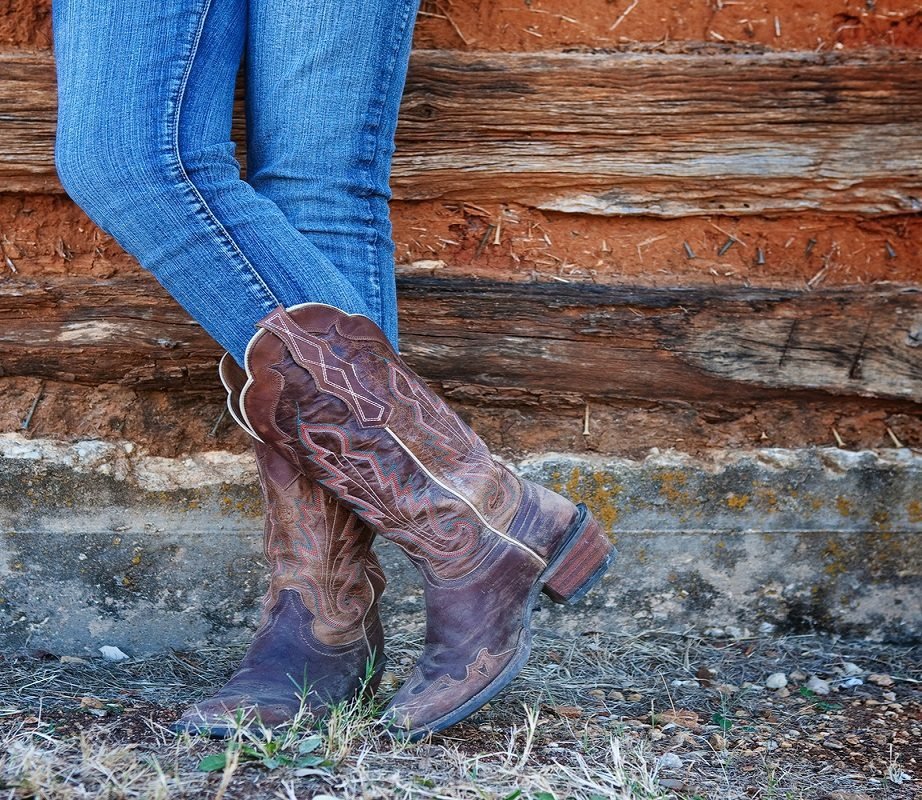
(600, 497)
(914, 511)
(844, 506)
(573, 488)
(767, 499)
(246, 507)
(837, 558)
(814, 502)
(737, 501)
(881, 518)
(670, 483)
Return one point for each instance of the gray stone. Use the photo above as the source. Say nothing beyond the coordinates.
(103, 545)
(818, 686)
(669, 761)
(777, 680)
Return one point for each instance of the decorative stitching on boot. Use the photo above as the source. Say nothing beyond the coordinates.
(330, 372)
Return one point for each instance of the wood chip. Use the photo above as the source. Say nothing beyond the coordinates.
(570, 712)
(681, 717)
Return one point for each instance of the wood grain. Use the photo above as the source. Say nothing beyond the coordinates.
(663, 134)
(614, 343)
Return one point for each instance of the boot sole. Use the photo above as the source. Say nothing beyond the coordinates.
(584, 529)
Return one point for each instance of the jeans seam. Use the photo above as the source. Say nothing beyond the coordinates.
(375, 126)
(221, 234)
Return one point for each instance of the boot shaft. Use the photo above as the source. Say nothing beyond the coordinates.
(351, 360)
(313, 543)
(329, 388)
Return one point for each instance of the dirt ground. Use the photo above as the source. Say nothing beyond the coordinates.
(549, 24)
(652, 715)
(788, 24)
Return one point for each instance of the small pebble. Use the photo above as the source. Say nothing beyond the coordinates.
(669, 761)
(818, 685)
(777, 680)
(850, 668)
(880, 679)
(675, 785)
(111, 653)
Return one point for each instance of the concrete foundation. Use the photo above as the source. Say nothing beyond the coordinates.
(102, 544)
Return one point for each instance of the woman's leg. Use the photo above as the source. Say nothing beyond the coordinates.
(324, 82)
(145, 93)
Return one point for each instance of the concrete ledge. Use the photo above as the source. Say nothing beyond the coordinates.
(102, 544)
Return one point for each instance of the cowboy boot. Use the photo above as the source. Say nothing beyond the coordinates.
(328, 391)
(320, 639)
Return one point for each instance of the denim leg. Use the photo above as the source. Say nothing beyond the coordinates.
(145, 93)
(324, 82)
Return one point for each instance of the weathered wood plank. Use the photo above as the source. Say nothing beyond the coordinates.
(610, 133)
(676, 345)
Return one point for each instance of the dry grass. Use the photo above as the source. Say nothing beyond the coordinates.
(654, 715)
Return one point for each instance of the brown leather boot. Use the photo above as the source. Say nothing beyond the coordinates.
(320, 633)
(327, 390)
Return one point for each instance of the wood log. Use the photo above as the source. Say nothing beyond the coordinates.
(664, 134)
(613, 343)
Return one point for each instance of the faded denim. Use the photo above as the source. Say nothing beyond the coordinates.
(145, 95)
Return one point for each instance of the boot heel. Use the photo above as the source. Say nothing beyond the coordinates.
(582, 562)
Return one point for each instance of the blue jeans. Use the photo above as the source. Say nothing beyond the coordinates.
(145, 95)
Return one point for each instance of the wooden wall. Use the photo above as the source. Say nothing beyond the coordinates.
(620, 224)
